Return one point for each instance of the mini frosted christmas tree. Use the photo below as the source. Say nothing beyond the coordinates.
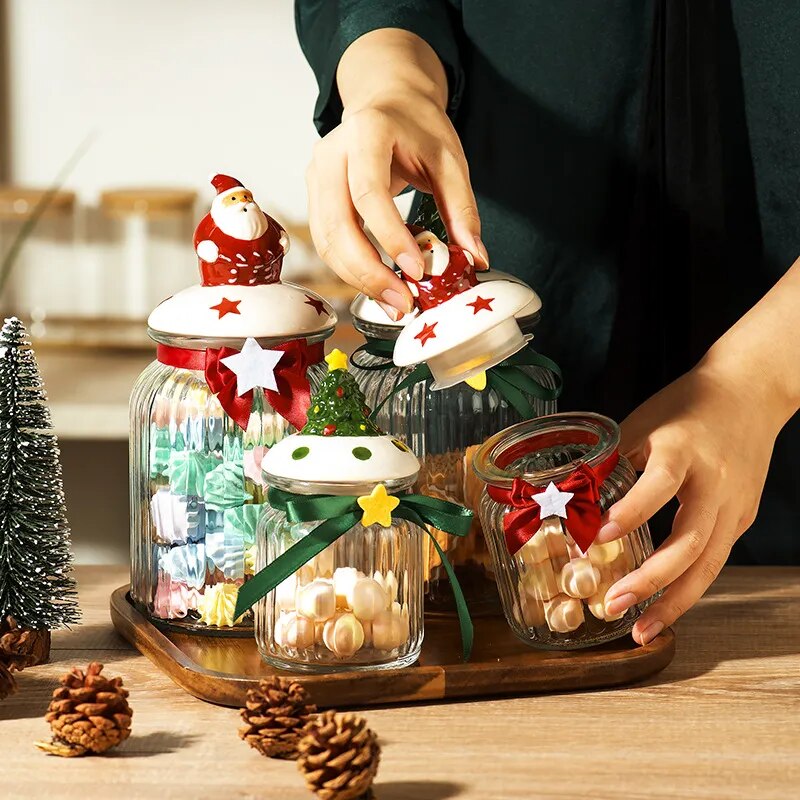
(339, 408)
(36, 587)
(428, 217)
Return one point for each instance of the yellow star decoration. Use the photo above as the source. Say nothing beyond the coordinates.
(336, 360)
(477, 382)
(378, 507)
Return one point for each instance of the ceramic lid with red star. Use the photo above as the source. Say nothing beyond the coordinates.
(463, 327)
(240, 252)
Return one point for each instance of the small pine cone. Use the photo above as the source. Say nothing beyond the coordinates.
(23, 647)
(339, 756)
(275, 715)
(88, 714)
(7, 683)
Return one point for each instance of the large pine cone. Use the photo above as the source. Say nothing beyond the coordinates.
(339, 756)
(7, 683)
(275, 715)
(89, 714)
(23, 647)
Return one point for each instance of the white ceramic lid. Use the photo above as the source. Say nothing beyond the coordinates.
(273, 310)
(365, 309)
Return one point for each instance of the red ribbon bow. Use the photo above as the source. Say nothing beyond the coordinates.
(583, 509)
(291, 400)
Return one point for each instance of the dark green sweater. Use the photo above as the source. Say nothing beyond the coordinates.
(636, 162)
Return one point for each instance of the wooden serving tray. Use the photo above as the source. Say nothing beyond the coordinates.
(221, 670)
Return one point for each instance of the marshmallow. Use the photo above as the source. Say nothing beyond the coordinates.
(534, 551)
(532, 610)
(388, 582)
(344, 578)
(305, 574)
(344, 635)
(579, 578)
(555, 539)
(563, 614)
(390, 628)
(316, 600)
(605, 553)
(294, 632)
(597, 604)
(323, 563)
(368, 598)
(285, 593)
(540, 582)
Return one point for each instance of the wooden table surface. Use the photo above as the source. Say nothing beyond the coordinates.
(722, 721)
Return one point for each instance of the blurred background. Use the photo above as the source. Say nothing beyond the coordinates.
(154, 96)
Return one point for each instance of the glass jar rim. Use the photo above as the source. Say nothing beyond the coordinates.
(586, 428)
(393, 485)
(204, 342)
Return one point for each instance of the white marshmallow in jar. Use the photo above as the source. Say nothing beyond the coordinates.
(237, 357)
(548, 482)
(357, 604)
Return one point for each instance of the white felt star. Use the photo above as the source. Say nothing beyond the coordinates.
(552, 502)
(253, 367)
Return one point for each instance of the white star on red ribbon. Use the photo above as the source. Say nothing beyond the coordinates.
(552, 502)
(253, 366)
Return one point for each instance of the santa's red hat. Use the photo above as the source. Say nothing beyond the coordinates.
(225, 183)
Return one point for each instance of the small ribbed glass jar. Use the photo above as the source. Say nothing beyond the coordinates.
(355, 606)
(444, 428)
(196, 493)
(552, 593)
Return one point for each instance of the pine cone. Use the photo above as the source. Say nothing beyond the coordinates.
(89, 714)
(275, 715)
(339, 756)
(7, 683)
(23, 647)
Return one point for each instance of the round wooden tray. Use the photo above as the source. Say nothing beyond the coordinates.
(221, 670)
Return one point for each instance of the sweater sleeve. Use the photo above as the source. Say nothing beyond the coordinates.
(326, 28)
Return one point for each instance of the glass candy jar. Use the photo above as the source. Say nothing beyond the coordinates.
(236, 355)
(357, 604)
(541, 478)
(444, 427)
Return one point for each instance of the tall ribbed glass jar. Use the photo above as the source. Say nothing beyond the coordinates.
(444, 428)
(196, 493)
(358, 605)
(552, 593)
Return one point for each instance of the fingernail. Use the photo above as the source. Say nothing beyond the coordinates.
(411, 265)
(481, 248)
(609, 532)
(616, 605)
(392, 313)
(650, 632)
(396, 300)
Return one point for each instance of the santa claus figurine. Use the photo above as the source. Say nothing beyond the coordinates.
(236, 242)
(448, 270)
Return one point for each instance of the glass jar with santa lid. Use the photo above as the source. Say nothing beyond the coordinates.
(339, 583)
(465, 371)
(237, 356)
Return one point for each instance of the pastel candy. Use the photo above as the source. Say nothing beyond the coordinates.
(540, 581)
(185, 563)
(343, 635)
(388, 583)
(160, 449)
(390, 628)
(597, 605)
(556, 540)
(316, 600)
(188, 470)
(285, 594)
(215, 429)
(227, 553)
(532, 610)
(242, 521)
(294, 631)
(368, 599)
(605, 553)
(224, 486)
(563, 614)
(579, 578)
(344, 578)
(177, 519)
(323, 563)
(174, 600)
(233, 449)
(535, 551)
(253, 457)
(218, 605)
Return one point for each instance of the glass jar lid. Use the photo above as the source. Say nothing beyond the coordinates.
(546, 448)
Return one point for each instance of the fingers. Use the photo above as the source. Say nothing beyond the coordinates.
(663, 476)
(340, 240)
(456, 203)
(691, 531)
(691, 586)
(369, 178)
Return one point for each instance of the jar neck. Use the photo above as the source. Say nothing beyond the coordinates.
(571, 439)
(206, 342)
(394, 486)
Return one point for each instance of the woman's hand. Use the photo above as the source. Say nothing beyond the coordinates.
(394, 132)
(707, 438)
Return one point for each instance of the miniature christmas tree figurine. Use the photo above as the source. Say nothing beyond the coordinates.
(36, 588)
(428, 218)
(339, 408)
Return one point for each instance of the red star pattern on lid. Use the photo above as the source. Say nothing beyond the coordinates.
(481, 304)
(316, 304)
(226, 306)
(426, 333)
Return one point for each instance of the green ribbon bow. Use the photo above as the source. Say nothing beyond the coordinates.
(339, 513)
(507, 379)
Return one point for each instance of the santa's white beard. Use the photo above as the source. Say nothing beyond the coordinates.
(241, 220)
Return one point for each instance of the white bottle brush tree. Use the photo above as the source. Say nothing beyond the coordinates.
(37, 591)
